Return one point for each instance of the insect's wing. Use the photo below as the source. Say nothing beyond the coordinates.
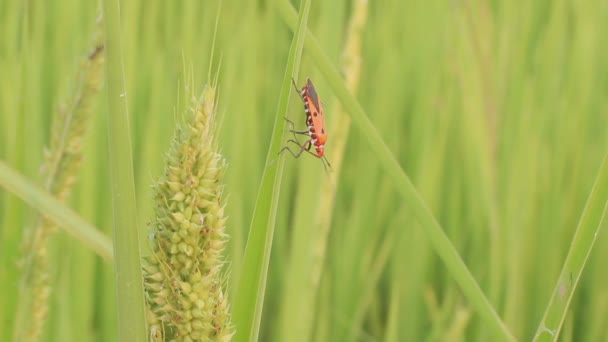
(312, 94)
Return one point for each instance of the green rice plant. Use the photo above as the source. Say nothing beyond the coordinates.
(185, 287)
(252, 284)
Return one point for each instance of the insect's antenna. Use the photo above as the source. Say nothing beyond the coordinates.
(327, 161)
(326, 164)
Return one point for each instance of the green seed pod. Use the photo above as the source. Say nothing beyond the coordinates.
(155, 277)
(185, 287)
(198, 313)
(154, 287)
(178, 217)
(186, 305)
(175, 238)
(188, 213)
(198, 324)
(150, 268)
(180, 196)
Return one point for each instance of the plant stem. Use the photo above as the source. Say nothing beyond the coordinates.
(128, 280)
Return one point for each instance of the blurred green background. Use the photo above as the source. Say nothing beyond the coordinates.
(497, 110)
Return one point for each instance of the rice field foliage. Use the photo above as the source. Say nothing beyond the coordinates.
(495, 110)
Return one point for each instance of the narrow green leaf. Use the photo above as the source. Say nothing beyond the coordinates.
(440, 241)
(128, 280)
(59, 213)
(593, 217)
(250, 294)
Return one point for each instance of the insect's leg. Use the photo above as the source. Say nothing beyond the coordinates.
(300, 132)
(286, 148)
(306, 148)
(290, 123)
(301, 146)
(295, 85)
(292, 130)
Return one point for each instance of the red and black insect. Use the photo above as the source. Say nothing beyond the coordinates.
(315, 122)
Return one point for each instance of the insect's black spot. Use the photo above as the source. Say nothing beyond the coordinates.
(315, 114)
(322, 130)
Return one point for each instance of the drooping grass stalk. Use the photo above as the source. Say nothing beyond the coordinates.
(252, 284)
(184, 281)
(440, 241)
(61, 215)
(61, 165)
(594, 216)
(128, 280)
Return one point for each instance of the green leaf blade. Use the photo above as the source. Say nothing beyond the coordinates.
(592, 219)
(250, 293)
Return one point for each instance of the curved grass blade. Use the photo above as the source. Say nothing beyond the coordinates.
(59, 213)
(250, 293)
(593, 217)
(439, 240)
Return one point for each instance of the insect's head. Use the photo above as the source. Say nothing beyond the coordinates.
(320, 150)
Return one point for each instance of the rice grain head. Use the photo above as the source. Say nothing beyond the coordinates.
(183, 278)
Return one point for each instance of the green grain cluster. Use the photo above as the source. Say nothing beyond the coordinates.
(62, 160)
(183, 277)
